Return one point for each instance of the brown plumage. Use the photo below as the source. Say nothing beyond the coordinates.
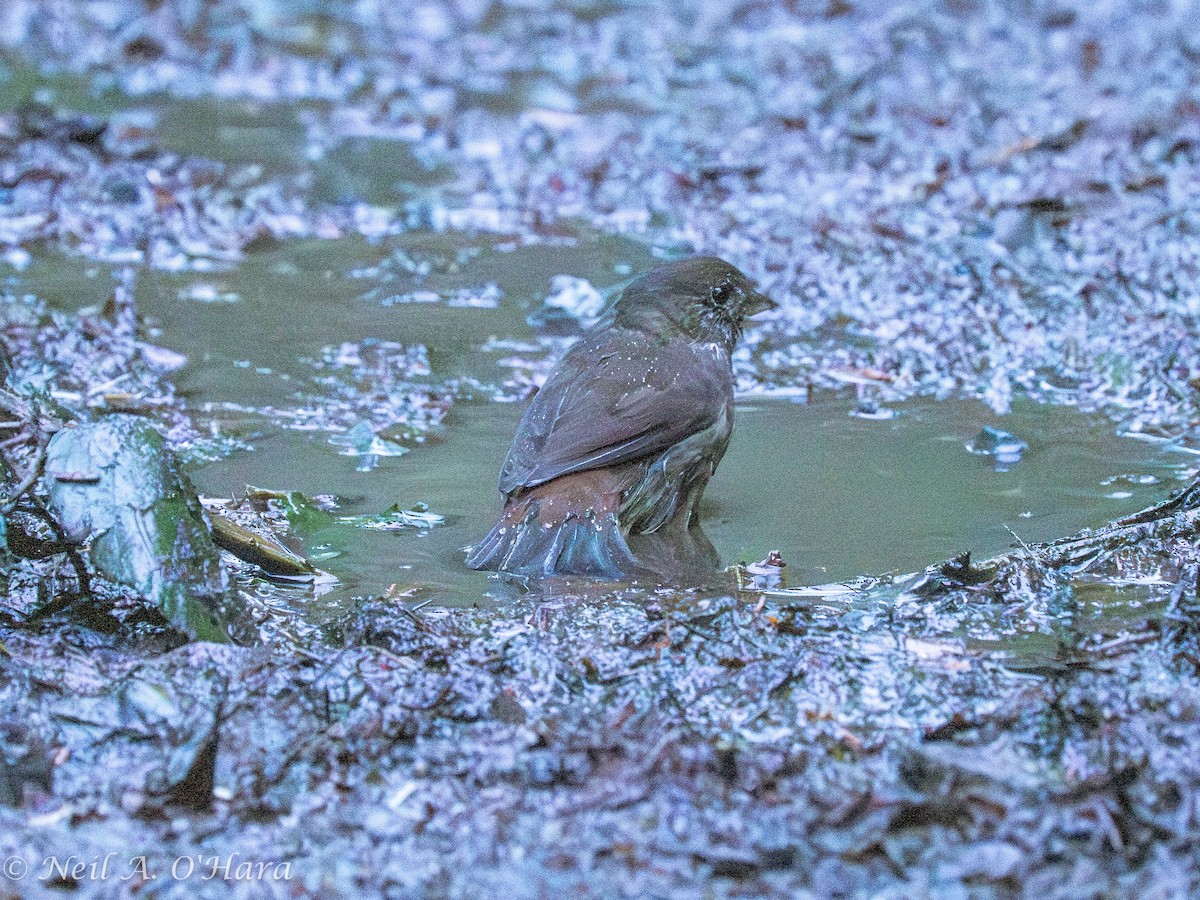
(625, 434)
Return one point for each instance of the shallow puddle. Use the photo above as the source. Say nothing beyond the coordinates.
(842, 496)
(246, 331)
(837, 495)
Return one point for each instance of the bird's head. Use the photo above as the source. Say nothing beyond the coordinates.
(703, 297)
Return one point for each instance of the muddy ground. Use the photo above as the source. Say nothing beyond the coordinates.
(948, 200)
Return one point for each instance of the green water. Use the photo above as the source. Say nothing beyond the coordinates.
(296, 300)
(843, 496)
(838, 496)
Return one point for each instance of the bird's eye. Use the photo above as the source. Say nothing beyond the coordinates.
(720, 293)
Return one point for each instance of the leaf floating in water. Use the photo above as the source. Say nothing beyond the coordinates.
(870, 409)
(396, 519)
(269, 555)
(867, 385)
(207, 292)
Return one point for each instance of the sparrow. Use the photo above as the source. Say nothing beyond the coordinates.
(625, 434)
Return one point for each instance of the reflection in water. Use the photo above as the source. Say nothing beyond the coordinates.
(686, 559)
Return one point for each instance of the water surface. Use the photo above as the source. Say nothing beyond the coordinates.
(837, 495)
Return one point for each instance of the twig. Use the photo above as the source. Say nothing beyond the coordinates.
(1024, 546)
(21, 437)
(30, 479)
(64, 543)
(1122, 641)
(29, 412)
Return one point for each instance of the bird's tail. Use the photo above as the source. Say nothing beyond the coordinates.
(553, 530)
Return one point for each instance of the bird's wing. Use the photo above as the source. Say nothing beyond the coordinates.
(614, 399)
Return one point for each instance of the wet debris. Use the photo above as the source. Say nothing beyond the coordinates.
(99, 488)
(115, 486)
(98, 188)
(273, 546)
(260, 550)
(923, 211)
(361, 441)
(487, 297)
(642, 748)
(869, 385)
(953, 574)
(766, 574)
(417, 517)
(572, 305)
(921, 189)
(1007, 449)
(374, 398)
(96, 361)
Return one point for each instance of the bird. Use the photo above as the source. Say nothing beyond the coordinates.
(624, 435)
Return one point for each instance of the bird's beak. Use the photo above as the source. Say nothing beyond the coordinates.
(759, 303)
